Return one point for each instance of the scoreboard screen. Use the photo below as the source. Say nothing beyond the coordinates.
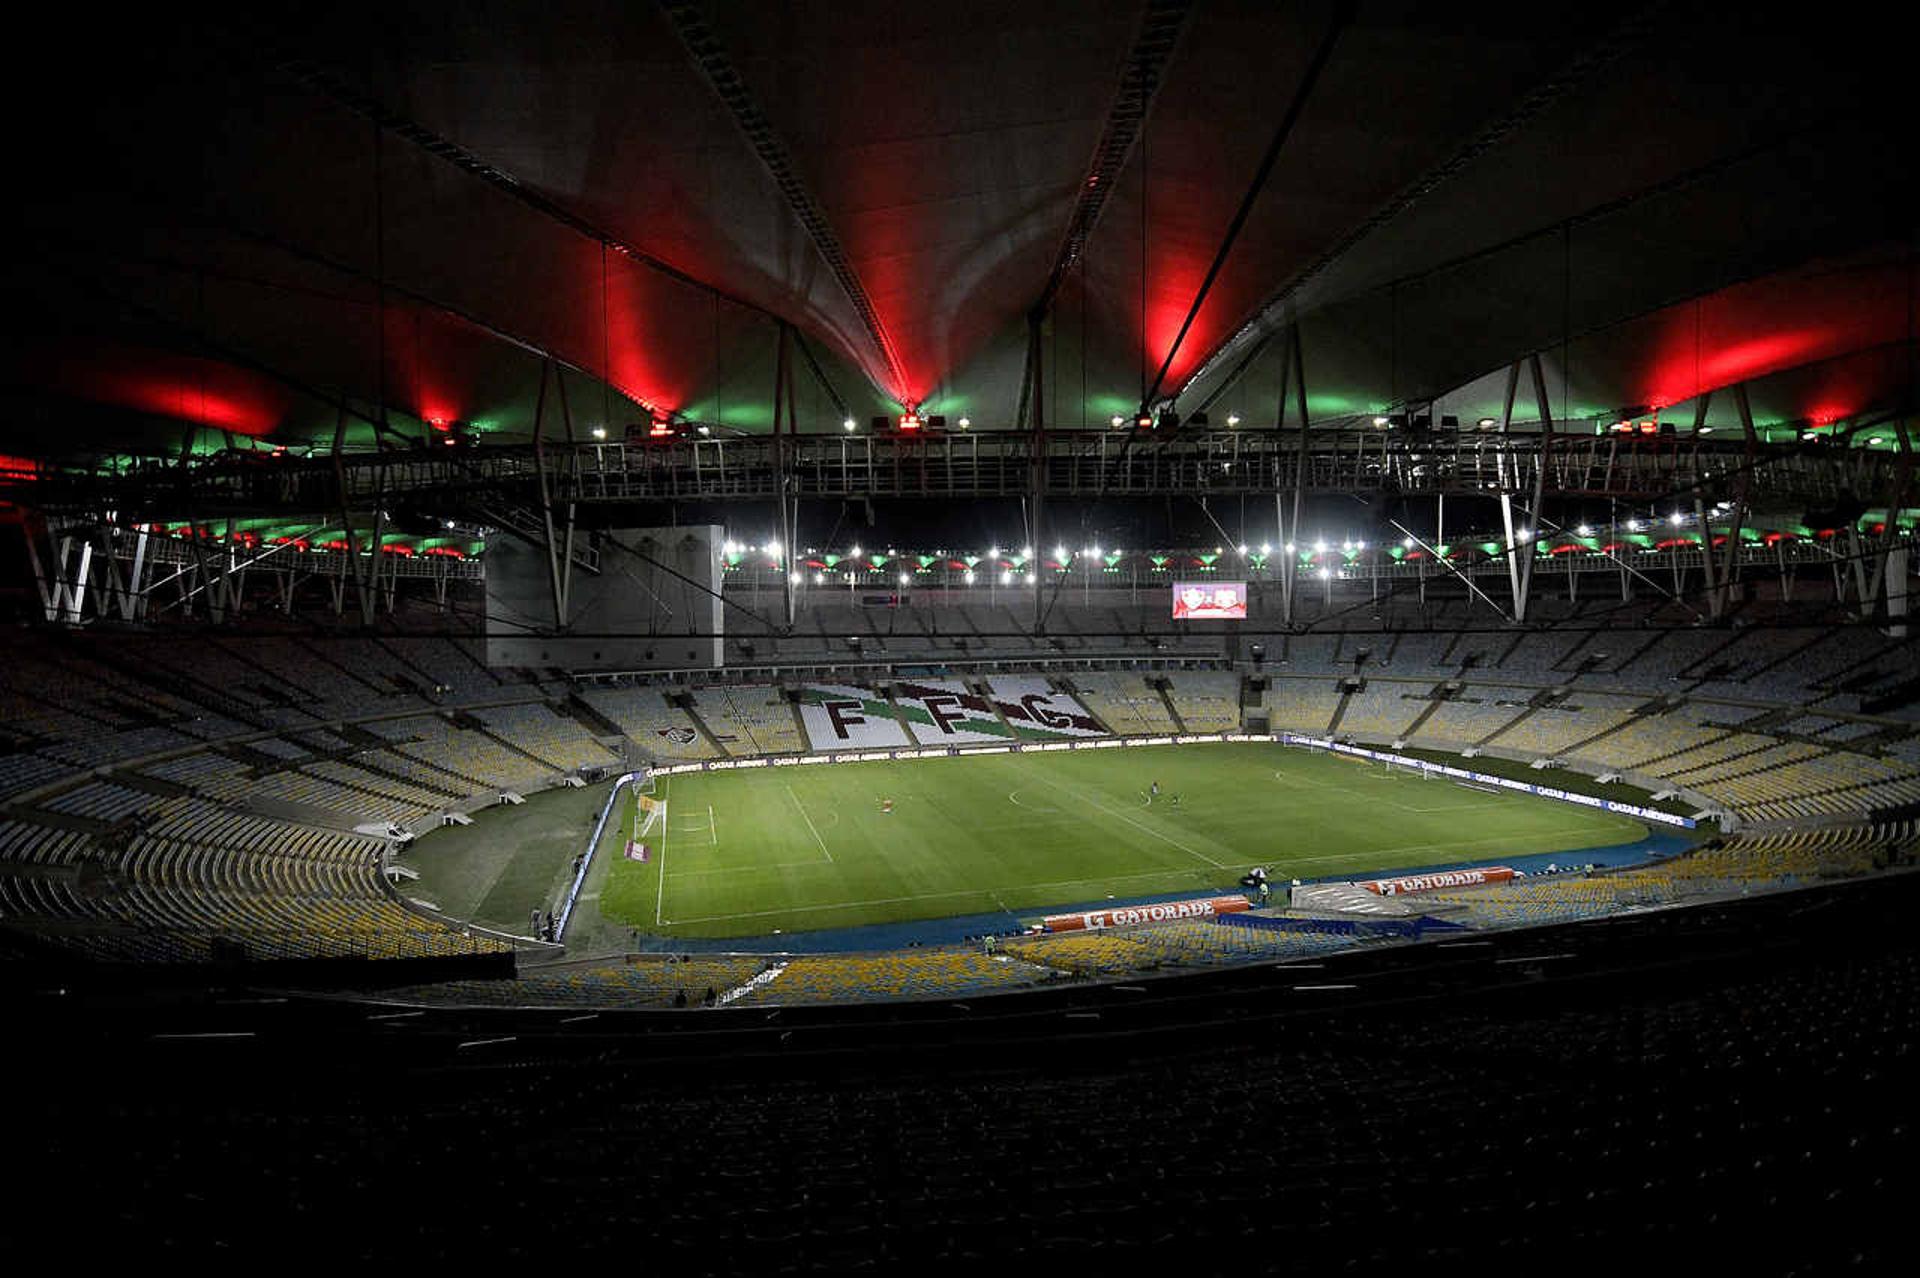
(1209, 600)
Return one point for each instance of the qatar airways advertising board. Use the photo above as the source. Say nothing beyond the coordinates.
(1209, 601)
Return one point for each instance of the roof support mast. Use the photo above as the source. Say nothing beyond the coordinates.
(1295, 373)
(1036, 372)
(1261, 173)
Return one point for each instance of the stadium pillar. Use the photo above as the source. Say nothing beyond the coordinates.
(1894, 556)
(1037, 475)
(1509, 477)
(785, 501)
(1539, 487)
(559, 558)
(1296, 374)
(1514, 582)
(59, 597)
(1720, 594)
(1894, 570)
(346, 512)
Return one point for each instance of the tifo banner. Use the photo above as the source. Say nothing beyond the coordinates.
(1038, 713)
(682, 737)
(943, 712)
(838, 717)
(1203, 907)
(1442, 879)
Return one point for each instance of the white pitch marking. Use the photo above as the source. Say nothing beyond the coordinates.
(660, 898)
(753, 869)
(1013, 797)
(809, 820)
(1135, 824)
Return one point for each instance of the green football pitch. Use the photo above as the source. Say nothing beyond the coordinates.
(753, 852)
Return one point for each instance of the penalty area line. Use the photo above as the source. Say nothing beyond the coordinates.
(809, 820)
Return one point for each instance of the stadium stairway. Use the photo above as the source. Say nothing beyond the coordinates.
(685, 703)
(1166, 699)
(597, 724)
(1435, 700)
(444, 788)
(1508, 726)
(1339, 710)
(473, 724)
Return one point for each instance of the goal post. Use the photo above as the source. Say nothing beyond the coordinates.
(1411, 767)
(648, 812)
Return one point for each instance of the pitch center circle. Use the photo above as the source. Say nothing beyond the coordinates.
(1013, 797)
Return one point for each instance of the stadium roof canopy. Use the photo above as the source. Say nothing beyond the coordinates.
(408, 208)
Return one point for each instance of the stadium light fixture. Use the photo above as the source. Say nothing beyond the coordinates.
(1233, 419)
(993, 552)
(1583, 531)
(1633, 525)
(794, 577)
(1244, 549)
(968, 578)
(1029, 579)
(1486, 423)
(855, 552)
(1523, 534)
(1676, 519)
(1118, 419)
(1289, 548)
(1380, 421)
(819, 578)
(1060, 553)
(965, 422)
(1095, 552)
(599, 432)
(1026, 552)
(903, 579)
(773, 547)
(1006, 579)
(1326, 574)
(848, 425)
(1266, 548)
(705, 430)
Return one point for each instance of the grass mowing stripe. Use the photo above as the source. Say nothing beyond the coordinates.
(954, 842)
(929, 896)
(1135, 824)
